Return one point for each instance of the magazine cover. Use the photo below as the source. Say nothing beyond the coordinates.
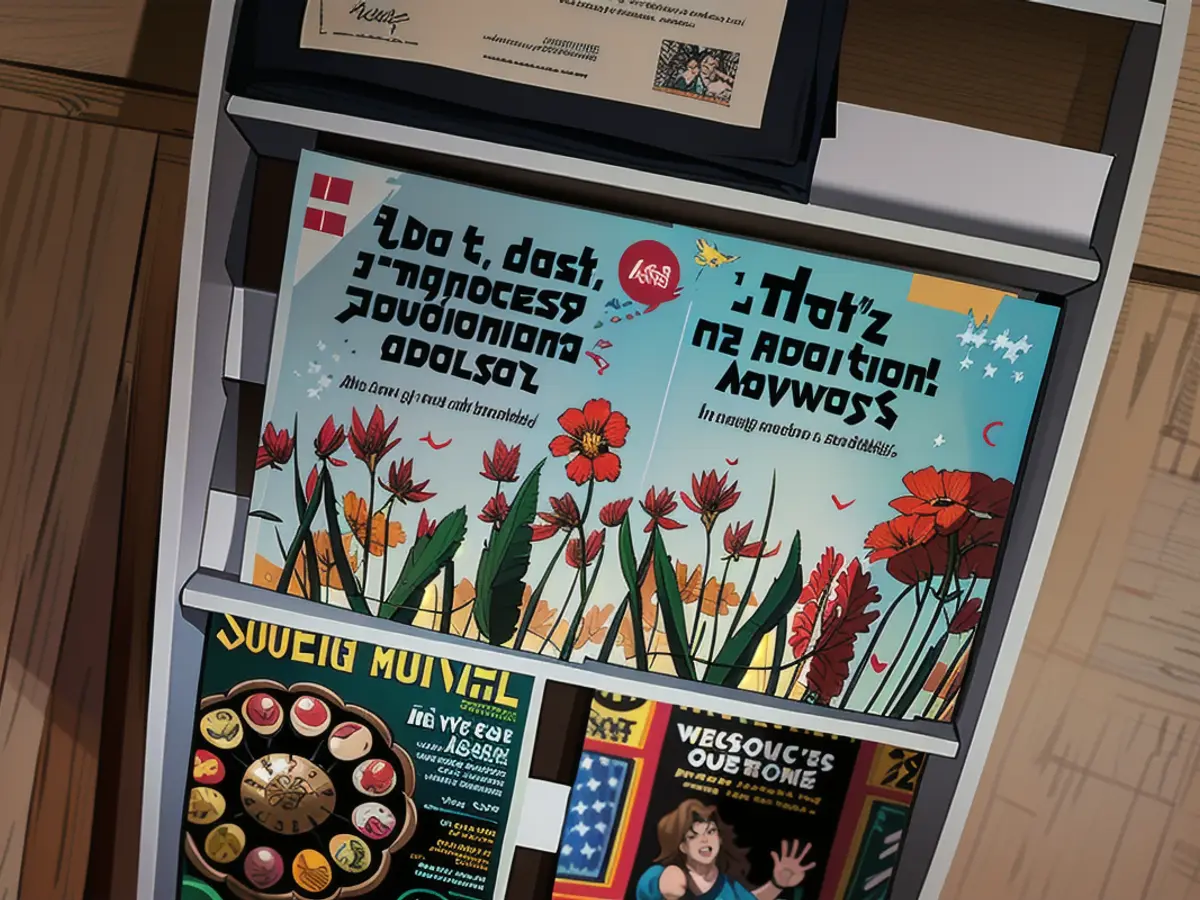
(325, 768)
(583, 435)
(671, 802)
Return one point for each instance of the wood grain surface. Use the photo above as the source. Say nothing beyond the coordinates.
(1092, 786)
(158, 43)
(72, 202)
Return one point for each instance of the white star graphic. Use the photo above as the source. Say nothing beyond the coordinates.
(579, 808)
(966, 362)
(585, 763)
(989, 371)
(599, 805)
(321, 346)
(1011, 354)
(588, 850)
(566, 850)
(614, 782)
(1001, 341)
(581, 829)
(604, 760)
(1018, 377)
(600, 827)
(938, 441)
(592, 785)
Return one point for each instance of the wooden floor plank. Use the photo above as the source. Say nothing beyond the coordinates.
(72, 200)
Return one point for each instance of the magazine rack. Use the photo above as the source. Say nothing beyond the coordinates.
(894, 188)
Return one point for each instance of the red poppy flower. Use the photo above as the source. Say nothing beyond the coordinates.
(905, 542)
(978, 547)
(595, 541)
(372, 443)
(328, 440)
(949, 496)
(502, 465)
(564, 517)
(426, 526)
(276, 448)
(611, 514)
(710, 497)
(659, 508)
(736, 547)
(400, 483)
(967, 617)
(591, 434)
(495, 511)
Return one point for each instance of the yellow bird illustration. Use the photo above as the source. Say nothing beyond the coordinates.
(710, 256)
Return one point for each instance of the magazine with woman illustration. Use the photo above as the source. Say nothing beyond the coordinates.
(587, 436)
(671, 803)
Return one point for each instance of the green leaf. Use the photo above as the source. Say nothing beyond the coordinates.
(263, 514)
(426, 557)
(670, 604)
(629, 568)
(354, 595)
(739, 648)
(303, 535)
(312, 567)
(500, 578)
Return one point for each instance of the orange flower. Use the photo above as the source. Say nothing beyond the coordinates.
(689, 592)
(355, 509)
(325, 564)
(594, 626)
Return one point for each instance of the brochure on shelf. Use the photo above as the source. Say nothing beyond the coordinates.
(326, 768)
(592, 437)
(668, 800)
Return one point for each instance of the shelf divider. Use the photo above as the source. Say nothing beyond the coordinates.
(215, 593)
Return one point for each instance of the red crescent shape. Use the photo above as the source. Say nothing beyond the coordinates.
(988, 427)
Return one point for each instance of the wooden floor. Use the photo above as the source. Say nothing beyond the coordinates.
(1092, 787)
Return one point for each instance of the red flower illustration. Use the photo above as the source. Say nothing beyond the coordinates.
(948, 496)
(426, 526)
(310, 485)
(502, 465)
(372, 443)
(495, 511)
(819, 583)
(967, 617)
(905, 543)
(978, 547)
(564, 517)
(736, 547)
(595, 541)
(611, 514)
(400, 483)
(844, 619)
(276, 448)
(659, 508)
(710, 497)
(591, 434)
(328, 440)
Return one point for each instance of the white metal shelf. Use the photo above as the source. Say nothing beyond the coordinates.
(1148, 11)
(903, 180)
(215, 593)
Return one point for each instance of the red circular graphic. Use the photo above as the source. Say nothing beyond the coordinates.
(649, 274)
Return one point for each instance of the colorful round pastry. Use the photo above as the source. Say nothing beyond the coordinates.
(207, 768)
(373, 820)
(350, 741)
(225, 843)
(263, 867)
(310, 716)
(287, 794)
(222, 728)
(350, 853)
(205, 805)
(311, 871)
(375, 777)
(295, 795)
(263, 713)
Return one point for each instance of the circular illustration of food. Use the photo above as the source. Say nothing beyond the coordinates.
(294, 794)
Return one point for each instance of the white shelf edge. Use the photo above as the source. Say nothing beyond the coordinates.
(248, 342)
(1082, 268)
(1147, 11)
(212, 593)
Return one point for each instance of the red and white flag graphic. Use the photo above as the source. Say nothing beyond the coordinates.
(326, 195)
